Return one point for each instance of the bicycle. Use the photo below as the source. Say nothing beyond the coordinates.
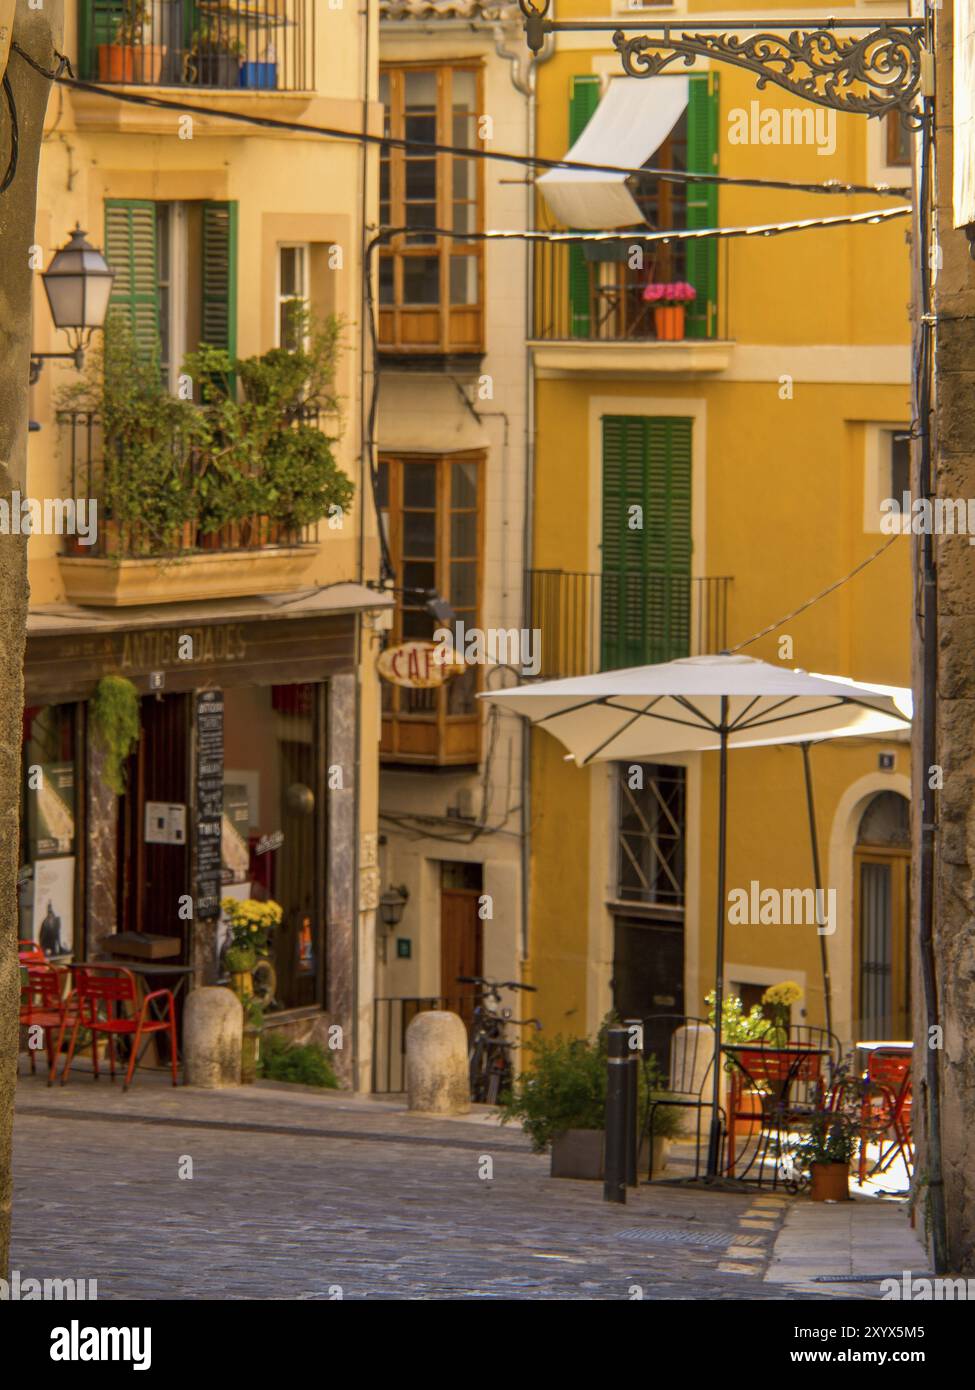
(489, 1056)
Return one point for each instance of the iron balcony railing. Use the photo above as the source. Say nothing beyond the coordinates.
(599, 622)
(266, 45)
(595, 291)
(85, 447)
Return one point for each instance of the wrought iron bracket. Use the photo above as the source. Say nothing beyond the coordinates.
(866, 66)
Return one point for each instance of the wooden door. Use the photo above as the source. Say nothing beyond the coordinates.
(461, 936)
(152, 877)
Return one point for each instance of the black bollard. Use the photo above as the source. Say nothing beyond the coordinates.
(617, 1088)
(634, 1043)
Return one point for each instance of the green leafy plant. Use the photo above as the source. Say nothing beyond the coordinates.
(264, 456)
(306, 1064)
(144, 475)
(831, 1138)
(736, 1025)
(565, 1088)
(114, 715)
(131, 22)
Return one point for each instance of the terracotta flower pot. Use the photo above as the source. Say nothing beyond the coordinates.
(830, 1182)
(122, 62)
(668, 320)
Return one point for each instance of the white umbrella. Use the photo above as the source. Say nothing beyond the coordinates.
(699, 703)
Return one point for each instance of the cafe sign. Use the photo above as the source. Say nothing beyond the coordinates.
(419, 665)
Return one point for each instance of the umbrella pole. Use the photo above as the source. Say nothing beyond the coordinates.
(714, 1139)
(818, 885)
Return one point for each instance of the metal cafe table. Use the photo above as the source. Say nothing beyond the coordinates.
(148, 957)
(773, 1076)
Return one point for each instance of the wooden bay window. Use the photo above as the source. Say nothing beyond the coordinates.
(432, 510)
(431, 289)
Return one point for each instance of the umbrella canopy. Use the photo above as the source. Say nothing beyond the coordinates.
(676, 707)
(698, 703)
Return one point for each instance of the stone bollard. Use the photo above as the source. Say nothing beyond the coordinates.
(213, 1025)
(437, 1078)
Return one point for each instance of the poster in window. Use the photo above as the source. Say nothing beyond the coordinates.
(53, 924)
(234, 850)
(50, 810)
(306, 948)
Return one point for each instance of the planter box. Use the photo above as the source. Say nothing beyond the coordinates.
(260, 76)
(217, 70)
(830, 1182)
(580, 1154)
(209, 574)
(118, 62)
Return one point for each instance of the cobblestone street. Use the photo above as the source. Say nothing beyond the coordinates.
(299, 1197)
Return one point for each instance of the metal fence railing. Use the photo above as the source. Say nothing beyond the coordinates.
(268, 46)
(592, 622)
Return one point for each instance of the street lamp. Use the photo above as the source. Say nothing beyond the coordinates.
(78, 283)
(391, 905)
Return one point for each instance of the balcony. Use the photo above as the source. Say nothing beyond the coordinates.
(259, 45)
(598, 622)
(156, 546)
(590, 314)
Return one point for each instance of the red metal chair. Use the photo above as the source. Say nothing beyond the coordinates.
(44, 1005)
(114, 989)
(30, 951)
(885, 1112)
(790, 1086)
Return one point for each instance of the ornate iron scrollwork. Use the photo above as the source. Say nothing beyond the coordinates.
(867, 73)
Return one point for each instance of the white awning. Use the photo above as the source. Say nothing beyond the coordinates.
(630, 124)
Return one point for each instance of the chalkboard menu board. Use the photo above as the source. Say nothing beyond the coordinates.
(209, 801)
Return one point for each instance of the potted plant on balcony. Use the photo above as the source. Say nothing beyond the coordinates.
(214, 58)
(260, 74)
(129, 58)
(144, 457)
(669, 300)
(271, 467)
(561, 1103)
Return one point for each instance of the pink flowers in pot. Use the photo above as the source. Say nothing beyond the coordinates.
(669, 292)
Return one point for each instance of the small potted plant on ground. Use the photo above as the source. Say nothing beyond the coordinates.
(825, 1153)
(670, 300)
(128, 58)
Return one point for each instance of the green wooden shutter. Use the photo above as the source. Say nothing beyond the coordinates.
(130, 249)
(583, 100)
(97, 23)
(646, 578)
(219, 276)
(702, 204)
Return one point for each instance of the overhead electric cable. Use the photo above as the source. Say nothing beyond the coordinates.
(466, 152)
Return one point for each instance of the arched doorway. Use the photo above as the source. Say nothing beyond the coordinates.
(881, 961)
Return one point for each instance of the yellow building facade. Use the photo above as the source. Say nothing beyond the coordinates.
(214, 228)
(756, 445)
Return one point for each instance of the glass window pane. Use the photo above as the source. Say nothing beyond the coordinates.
(464, 91)
(419, 534)
(290, 277)
(461, 692)
(463, 279)
(419, 574)
(418, 624)
(421, 88)
(421, 127)
(384, 181)
(463, 583)
(463, 534)
(421, 280)
(386, 280)
(420, 485)
(464, 217)
(463, 477)
(384, 88)
(463, 178)
(382, 483)
(421, 180)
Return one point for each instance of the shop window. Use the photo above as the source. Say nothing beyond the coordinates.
(273, 827)
(48, 882)
(431, 512)
(430, 279)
